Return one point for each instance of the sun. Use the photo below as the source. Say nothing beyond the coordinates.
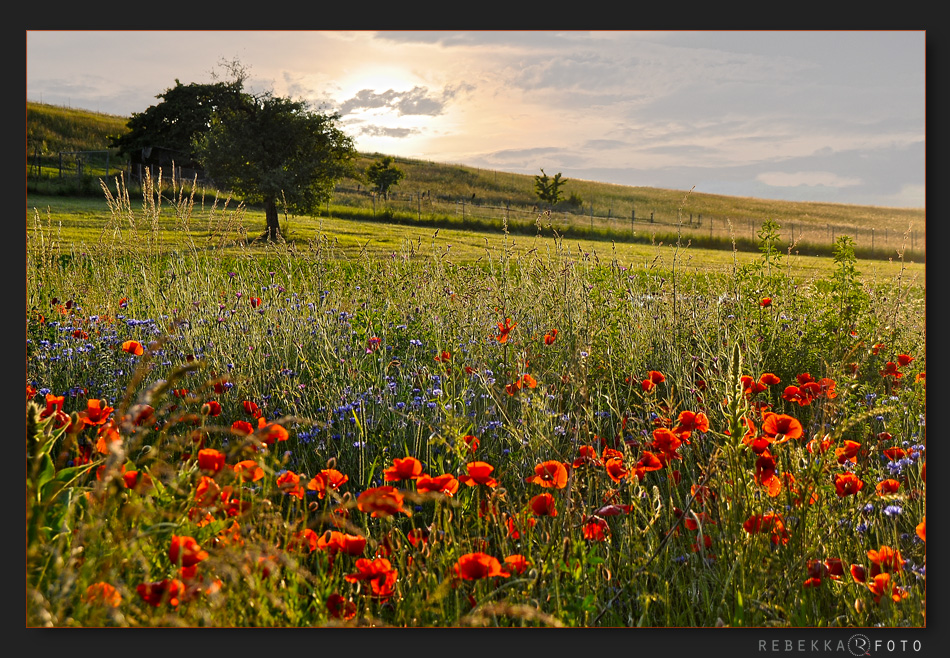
(377, 79)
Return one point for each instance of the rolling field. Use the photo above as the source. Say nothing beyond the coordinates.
(390, 425)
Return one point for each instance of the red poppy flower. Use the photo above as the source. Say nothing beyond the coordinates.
(107, 434)
(549, 474)
(340, 608)
(210, 459)
(251, 409)
(827, 387)
(769, 379)
(847, 484)
(96, 413)
(543, 505)
(445, 484)
(750, 387)
(255, 302)
(797, 394)
(654, 377)
(305, 539)
(270, 432)
(333, 542)
(379, 573)
(478, 473)
(159, 592)
(289, 483)
(476, 566)
(880, 585)
(649, 462)
(504, 328)
(921, 529)
(102, 594)
(242, 428)
(211, 408)
(382, 501)
(137, 481)
(885, 559)
(133, 347)
(904, 359)
(516, 563)
(444, 357)
(587, 455)
(329, 479)
(515, 528)
(596, 529)
(781, 427)
(248, 470)
(848, 452)
(859, 573)
(207, 492)
(765, 474)
(616, 470)
(765, 302)
(894, 454)
(888, 486)
(471, 441)
(890, 370)
(405, 468)
(689, 421)
(774, 524)
(667, 442)
(550, 337)
(821, 446)
(529, 381)
(187, 550)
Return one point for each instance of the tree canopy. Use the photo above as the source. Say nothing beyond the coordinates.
(165, 132)
(271, 149)
(383, 174)
(549, 189)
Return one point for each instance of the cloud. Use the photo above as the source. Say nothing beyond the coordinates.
(382, 131)
(416, 101)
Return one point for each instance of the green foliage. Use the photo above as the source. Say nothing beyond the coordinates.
(270, 149)
(384, 175)
(549, 189)
(173, 125)
(305, 353)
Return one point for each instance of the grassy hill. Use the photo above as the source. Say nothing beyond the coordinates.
(458, 196)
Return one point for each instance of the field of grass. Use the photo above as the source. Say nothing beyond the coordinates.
(385, 425)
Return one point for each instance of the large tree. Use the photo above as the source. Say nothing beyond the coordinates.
(270, 150)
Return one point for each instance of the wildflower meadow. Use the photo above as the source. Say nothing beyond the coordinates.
(294, 437)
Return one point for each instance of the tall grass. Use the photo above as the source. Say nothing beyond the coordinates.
(365, 360)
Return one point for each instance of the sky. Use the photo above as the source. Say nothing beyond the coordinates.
(835, 116)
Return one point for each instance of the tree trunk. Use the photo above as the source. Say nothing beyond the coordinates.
(272, 232)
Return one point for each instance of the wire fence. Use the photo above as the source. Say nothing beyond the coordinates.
(523, 216)
(471, 211)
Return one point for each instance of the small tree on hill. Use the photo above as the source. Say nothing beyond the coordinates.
(383, 174)
(549, 189)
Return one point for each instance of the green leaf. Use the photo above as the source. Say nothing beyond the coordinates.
(47, 472)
